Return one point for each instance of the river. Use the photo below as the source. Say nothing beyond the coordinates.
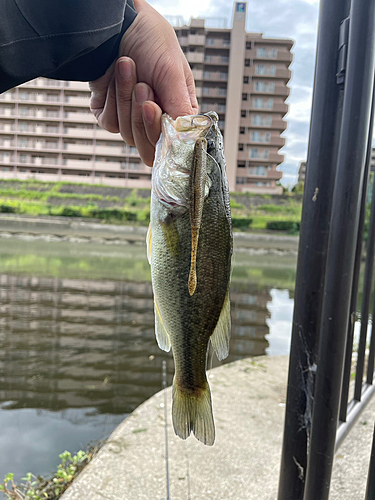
(78, 351)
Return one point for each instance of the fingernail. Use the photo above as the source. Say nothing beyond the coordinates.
(141, 93)
(148, 113)
(125, 69)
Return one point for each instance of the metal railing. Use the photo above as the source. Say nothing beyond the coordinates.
(318, 415)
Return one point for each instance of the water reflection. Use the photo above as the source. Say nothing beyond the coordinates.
(90, 343)
(78, 351)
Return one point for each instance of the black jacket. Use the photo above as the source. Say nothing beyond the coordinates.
(61, 39)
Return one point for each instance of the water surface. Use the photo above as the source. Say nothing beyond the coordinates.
(78, 351)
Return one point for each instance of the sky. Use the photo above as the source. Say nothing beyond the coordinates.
(296, 19)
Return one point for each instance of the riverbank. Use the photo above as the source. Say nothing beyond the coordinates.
(122, 205)
(68, 229)
(249, 405)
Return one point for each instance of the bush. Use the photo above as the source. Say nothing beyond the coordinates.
(283, 225)
(71, 212)
(241, 222)
(7, 209)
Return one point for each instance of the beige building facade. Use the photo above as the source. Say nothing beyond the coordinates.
(47, 131)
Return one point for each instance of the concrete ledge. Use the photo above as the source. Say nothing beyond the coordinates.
(249, 403)
(66, 226)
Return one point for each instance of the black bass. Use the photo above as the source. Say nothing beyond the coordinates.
(190, 248)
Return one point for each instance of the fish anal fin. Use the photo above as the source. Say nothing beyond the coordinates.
(221, 336)
(162, 336)
(149, 243)
(192, 412)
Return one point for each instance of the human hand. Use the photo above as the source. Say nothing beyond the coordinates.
(154, 77)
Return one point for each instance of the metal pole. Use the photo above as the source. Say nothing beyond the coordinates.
(367, 285)
(370, 490)
(341, 246)
(320, 175)
(357, 266)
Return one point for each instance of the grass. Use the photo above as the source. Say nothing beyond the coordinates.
(38, 488)
(38, 198)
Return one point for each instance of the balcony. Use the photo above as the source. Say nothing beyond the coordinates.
(280, 107)
(104, 134)
(196, 40)
(77, 86)
(214, 92)
(77, 101)
(79, 118)
(110, 150)
(197, 74)
(282, 55)
(216, 60)
(79, 133)
(282, 73)
(273, 157)
(217, 43)
(195, 57)
(215, 76)
(79, 148)
(219, 108)
(77, 164)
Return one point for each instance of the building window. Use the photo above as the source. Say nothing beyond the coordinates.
(247, 62)
(241, 165)
(243, 113)
(255, 153)
(264, 86)
(23, 158)
(258, 103)
(210, 41)
(256, 136)
(241, 180)
(248, 45)
(257, 170)
(266, 53)
(244, 97)
(242, 130)
(240, 147)
(246, 79)
(262, 69)
(262, 120)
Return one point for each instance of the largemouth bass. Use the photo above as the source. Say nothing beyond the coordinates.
(189, 249)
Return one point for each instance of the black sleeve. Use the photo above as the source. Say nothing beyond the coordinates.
(61, 39)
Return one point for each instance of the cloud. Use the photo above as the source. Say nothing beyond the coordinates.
(274, 18)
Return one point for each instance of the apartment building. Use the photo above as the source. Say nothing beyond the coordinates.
(47, 131)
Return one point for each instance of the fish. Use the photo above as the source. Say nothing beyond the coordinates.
(189, 247)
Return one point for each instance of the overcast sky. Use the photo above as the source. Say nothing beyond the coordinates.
(296, 19)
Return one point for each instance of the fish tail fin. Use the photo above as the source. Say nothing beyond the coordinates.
(192, 412)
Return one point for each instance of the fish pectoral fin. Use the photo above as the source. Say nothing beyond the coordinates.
(221, 336)
(149, 243)
(193, 413)
(162, 336)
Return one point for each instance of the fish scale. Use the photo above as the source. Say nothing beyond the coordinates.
(188, 319)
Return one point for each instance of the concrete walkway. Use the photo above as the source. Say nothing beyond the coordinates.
(249, 404)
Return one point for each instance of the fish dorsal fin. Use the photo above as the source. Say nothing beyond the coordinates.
(149, 243)
(221, 336)
(162, 336)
